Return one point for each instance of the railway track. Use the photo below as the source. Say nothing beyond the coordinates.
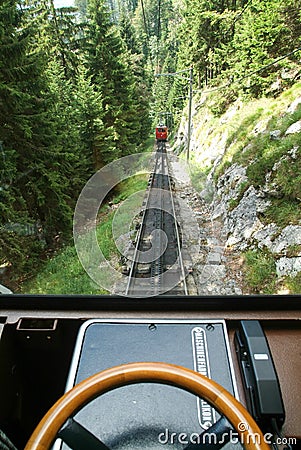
(157, 266)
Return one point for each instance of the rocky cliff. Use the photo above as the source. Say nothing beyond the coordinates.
(246, 166)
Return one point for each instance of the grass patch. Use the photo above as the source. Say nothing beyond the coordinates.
(240, 133)
(283, 212)
(105, 236)
(220, 102)
(288, 175)
(261, 277)
(63, 273)
(198, 174)
(262, 156)
(130, 186)
(233, 203)
(293, 250)
(148, 145)
(256, 150)
(260, 272)
(293, 284)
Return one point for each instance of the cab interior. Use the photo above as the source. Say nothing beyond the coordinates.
(50, 343)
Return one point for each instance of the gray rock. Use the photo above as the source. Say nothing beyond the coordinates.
(265, 236)
(293, 153)
(243, 222)
(228, 188)
(260, 127)
(290, 236)
(276, 242)
(214, 258)
(219, 210)
(289, 74)
(276, 87)
(212, 280)
(288, 266)
(246, 148)
(275, 135)
(294, 128)
(293, 106)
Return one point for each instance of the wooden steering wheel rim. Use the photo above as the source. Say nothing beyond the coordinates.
(148, 372)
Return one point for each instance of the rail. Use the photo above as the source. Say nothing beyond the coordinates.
(157, 265)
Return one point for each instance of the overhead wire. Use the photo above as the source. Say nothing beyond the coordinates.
(270, 64)
(251, 73)
(223, 35)
(236, 18)
(241, 12)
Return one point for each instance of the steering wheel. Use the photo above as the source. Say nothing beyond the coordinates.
(147, 372)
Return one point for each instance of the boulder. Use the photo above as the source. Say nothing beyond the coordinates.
(288, 266)
(294, 128)
(294, 105)
(275, 135)
(242, 222)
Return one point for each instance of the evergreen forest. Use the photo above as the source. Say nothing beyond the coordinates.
(82, 86)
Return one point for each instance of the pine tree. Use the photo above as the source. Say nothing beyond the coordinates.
(257, 43)
(42, 188)
(206, 29)
(73, 97)
(112, 73)
(22, 134)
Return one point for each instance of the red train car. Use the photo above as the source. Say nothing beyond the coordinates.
(161, 133)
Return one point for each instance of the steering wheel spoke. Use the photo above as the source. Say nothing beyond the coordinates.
(78, 437)
(218, 435)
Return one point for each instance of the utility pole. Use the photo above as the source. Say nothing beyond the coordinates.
(189, 113)
(190, 79)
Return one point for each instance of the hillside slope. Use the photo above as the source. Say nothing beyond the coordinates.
(246, 164)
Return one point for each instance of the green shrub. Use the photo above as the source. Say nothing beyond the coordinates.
(293, 284)
(260, 272)
(283, 212)
(63, 273)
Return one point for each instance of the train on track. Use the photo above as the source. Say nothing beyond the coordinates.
(161, 133)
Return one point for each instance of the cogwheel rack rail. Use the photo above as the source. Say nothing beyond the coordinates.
(157, 266)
